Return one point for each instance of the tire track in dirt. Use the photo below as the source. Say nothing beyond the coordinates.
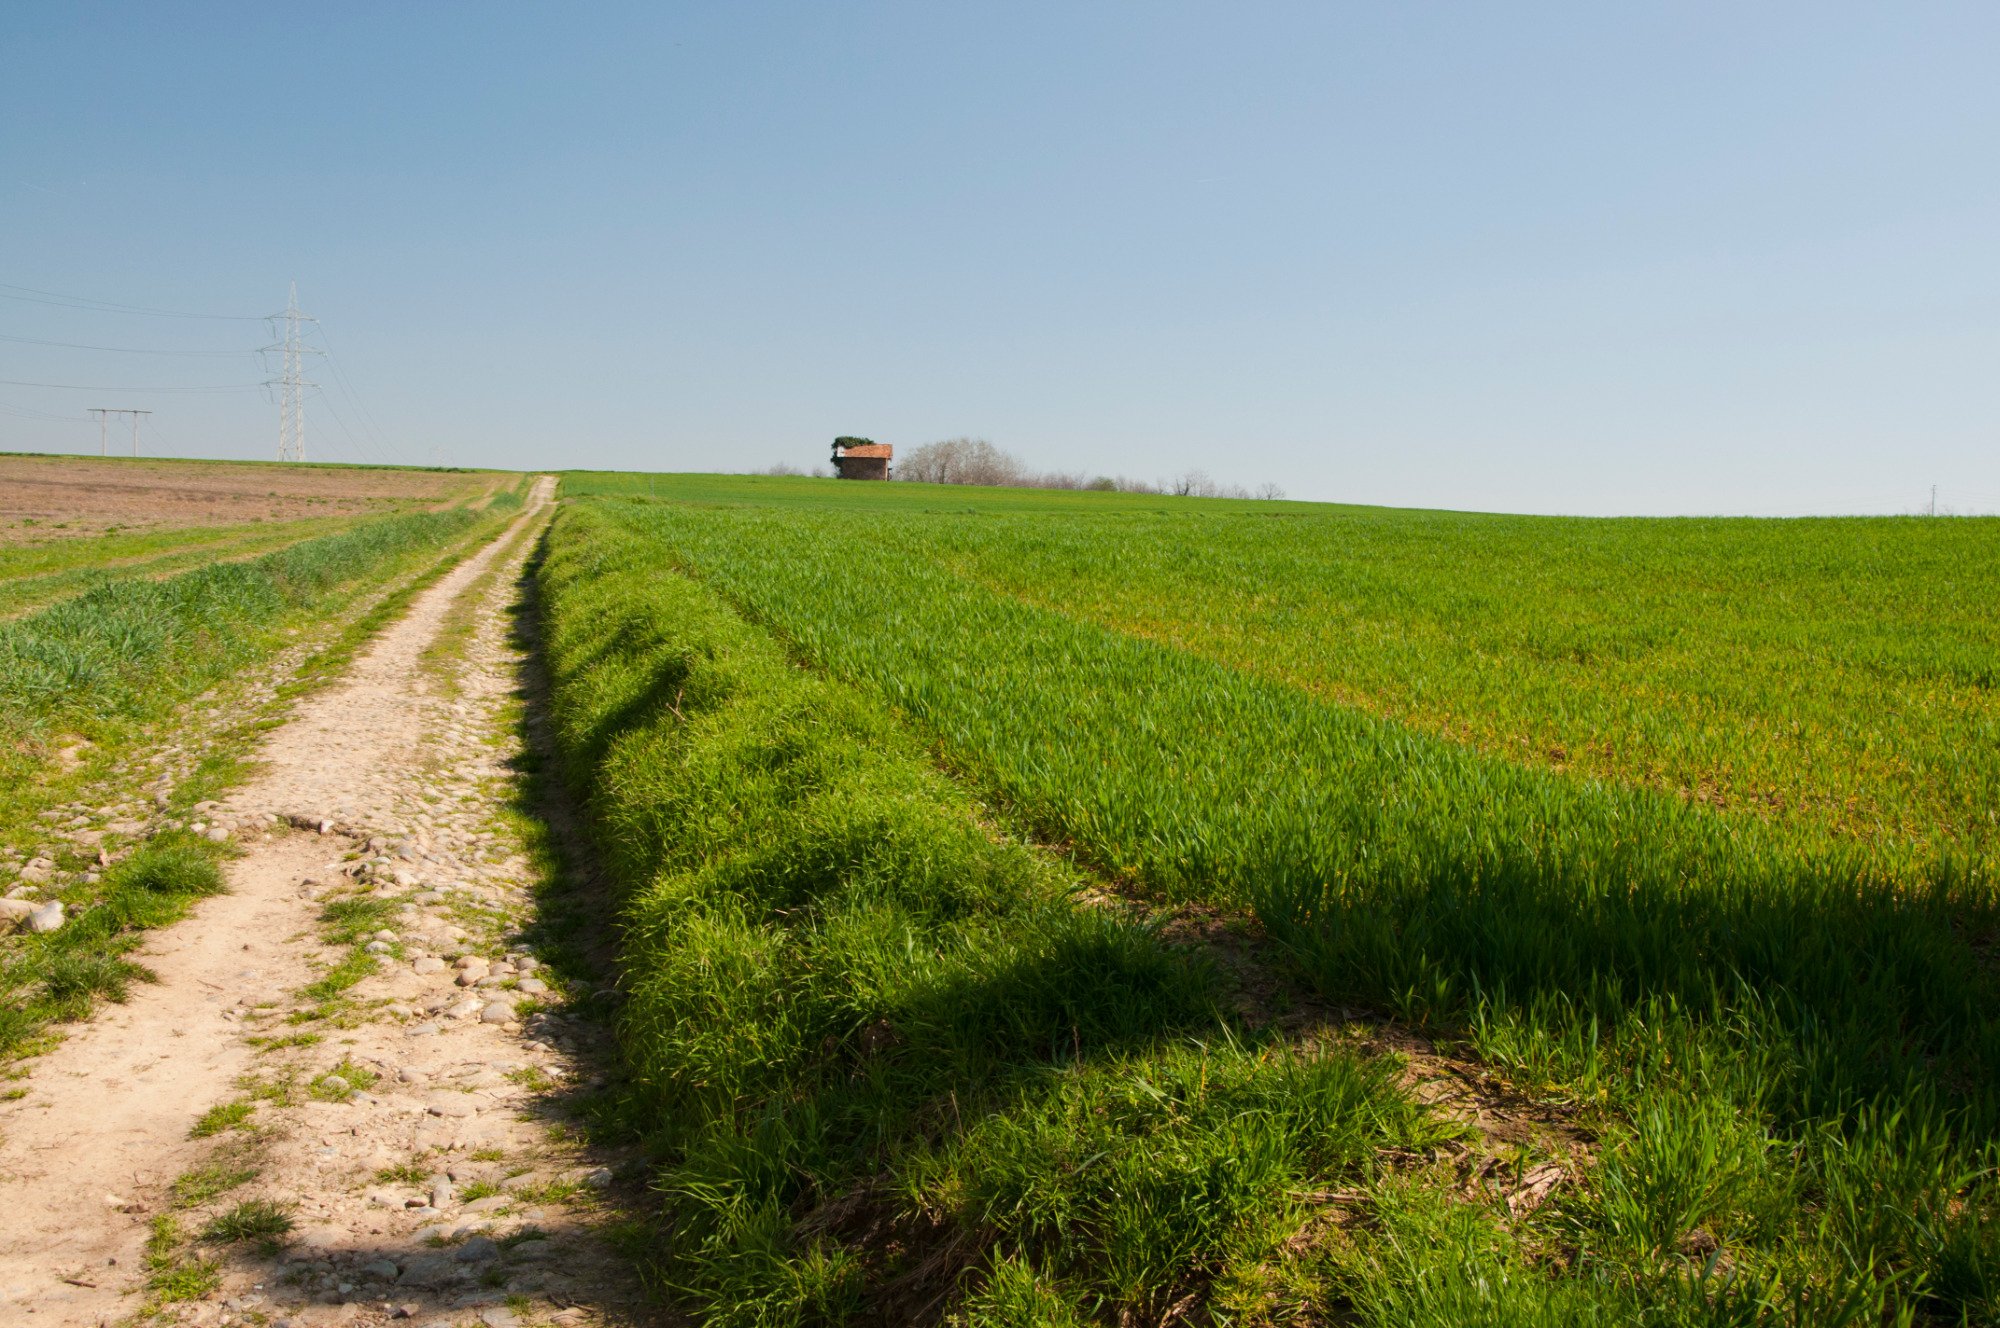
(410, 1126)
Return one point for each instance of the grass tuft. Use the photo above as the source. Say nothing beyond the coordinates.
(261, 1220)
(191, 1189)
(171, 1274)
(223, 1116)
(341, 1082)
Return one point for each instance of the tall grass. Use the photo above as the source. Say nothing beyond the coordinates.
(133, 646)
(1769, 1021)
(72, 567)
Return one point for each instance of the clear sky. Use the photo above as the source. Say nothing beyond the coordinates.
(1588, 257)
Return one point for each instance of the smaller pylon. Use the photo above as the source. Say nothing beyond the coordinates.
(104, 414)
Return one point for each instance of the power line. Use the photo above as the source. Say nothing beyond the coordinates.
(97, 387)
(57, 298)
(378, 447)
(361, 446)
(122, 350)
(25, 414)
(363, 415)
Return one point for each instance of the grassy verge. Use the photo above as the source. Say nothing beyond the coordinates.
(1786, 1045)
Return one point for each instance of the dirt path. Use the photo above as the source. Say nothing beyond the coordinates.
(407, 1125)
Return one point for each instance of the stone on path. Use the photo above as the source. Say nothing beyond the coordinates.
(429, 1270)
(480, 1249)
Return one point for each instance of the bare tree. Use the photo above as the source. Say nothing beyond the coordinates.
(1197, 484)
(960, 461)
(782, 468)
(1270, 493)
(1053, 479)
(977, 461)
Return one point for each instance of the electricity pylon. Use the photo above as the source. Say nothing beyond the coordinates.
(291, 382)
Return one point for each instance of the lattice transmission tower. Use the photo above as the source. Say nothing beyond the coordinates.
(291, 381)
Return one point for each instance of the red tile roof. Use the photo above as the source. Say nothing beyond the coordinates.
(883, 450)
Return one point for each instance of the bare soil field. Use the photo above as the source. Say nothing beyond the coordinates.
(59, 497)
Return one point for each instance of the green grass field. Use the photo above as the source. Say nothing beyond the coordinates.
(1681, 832)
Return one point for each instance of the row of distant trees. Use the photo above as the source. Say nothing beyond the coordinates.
(977, 461)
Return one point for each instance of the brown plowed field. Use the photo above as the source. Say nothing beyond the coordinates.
(53, 497)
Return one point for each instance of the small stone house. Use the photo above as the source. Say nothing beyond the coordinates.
(860, 459)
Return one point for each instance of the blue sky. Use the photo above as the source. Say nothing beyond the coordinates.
(1532, 257)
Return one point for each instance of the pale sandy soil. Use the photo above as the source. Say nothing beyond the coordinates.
(467, 1090)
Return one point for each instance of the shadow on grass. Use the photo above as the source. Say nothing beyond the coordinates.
(868, 1042)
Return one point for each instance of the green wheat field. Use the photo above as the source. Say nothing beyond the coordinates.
(1062, 908)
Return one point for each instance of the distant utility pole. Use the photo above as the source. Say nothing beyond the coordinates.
(104, 414)
(1933, 500)
(291, 382)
